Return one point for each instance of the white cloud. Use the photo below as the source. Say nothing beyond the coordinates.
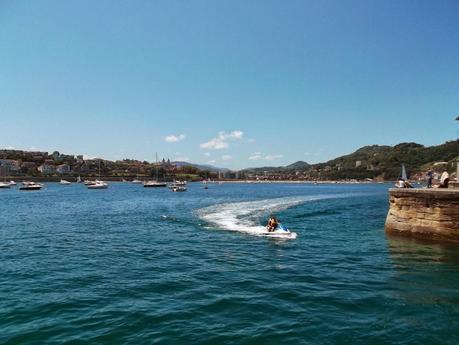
(221, 140)
(272, 157)
(174, 138)
(212, 161)
(258, 156)
(255, 156)
(226, 157)
(207, 154)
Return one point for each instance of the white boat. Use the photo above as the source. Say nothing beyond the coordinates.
(403, 182)
(13, 183)
(136, 181)
(156, 183)
(78, 179)
(65, 182)
(27, 185)
(280, 232)
(5, 185)
(98, 185)
(180, 183)
(178, 189)
(153, 184)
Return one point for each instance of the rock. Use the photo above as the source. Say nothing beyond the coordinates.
(427, 213)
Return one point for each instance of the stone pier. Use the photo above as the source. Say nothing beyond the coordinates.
(426, 213)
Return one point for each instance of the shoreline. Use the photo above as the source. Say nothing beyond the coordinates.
(129, 179)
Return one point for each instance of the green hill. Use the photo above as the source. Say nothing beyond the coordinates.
(300, 165)
(385, 161)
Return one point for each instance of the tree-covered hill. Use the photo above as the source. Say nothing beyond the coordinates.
(385, 161)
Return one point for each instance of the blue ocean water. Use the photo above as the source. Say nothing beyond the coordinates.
(134, 265)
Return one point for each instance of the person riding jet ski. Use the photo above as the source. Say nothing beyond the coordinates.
(272, 224)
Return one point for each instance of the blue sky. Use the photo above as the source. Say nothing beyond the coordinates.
(231, 83)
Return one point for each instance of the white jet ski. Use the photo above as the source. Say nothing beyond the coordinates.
(280, 232)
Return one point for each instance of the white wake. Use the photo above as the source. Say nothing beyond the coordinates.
(244, 216)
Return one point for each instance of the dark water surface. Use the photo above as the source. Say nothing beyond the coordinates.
(131, 265)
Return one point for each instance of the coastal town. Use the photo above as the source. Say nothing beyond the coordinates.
(367, 164)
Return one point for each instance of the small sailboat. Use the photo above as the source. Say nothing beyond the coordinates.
(403, 180)
(149, 184)
(5, 184)
(64, 182)
(404, 177)
(78, 179)
(97, 184)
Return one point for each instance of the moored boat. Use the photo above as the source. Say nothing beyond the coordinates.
(65, 182)
(98, 185)
(28, 185)
(5, 185)
(156, 183)
(153, 184)
(178, 189)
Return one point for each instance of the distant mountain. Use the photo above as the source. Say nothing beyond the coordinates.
(300, 165)
(207, 167)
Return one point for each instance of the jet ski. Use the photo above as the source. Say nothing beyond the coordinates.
(280, 232)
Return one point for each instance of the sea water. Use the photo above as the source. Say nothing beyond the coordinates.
(134, 265)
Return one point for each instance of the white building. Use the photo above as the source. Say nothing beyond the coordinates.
(46, 169)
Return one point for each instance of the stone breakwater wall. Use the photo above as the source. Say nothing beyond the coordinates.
(425, 213)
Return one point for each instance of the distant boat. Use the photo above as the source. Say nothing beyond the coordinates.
(78, 179)
(65, 182)
(13, 183)
(403, 180)
(404, 177)
(136, 181)
(156, 183)
(178, 189)
(98, 185)
(177, 184)
(5, 185)
(26, 185)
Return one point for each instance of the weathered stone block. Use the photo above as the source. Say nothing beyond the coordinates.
(424, 212)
